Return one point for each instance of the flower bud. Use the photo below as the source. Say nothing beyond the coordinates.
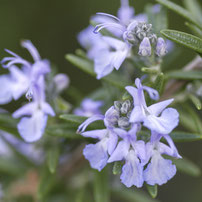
(145, 47)
(61, 81)
(125, 107)
(123, 122)
(161, 47)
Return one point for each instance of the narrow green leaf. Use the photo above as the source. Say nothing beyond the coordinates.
(180, 10)
(117, 168)
(186, 166)
(178, 136)
(71, 118)
(187, 40)
(80, 196)
(101, 186)
(46, 183)
(150, 70)
(181, 136)
(194, 115)
(8, 124)
(186, 121)
(185, 75)
(10, 129)
(153, 190)
(195, 8)
(62, 132)
(132, 195)
(196, 101)
(194, 29)
(159, 83)
(53, 158)
(81, 53)
(83, 64)
(87, 66)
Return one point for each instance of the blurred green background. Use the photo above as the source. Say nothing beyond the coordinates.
(52, 26)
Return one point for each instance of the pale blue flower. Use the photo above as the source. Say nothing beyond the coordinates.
(98, 154)
(118, 25)
(154, 117)
(21, 81)
(107, 59)
(13, 85)
(29, 80)
(133, 152)
(107, 52)
(160, 170)
(31, 127)
(92, 42)
(89, 108)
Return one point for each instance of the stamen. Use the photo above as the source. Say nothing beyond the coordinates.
(109, 15)
(105, 25)
(12, 53)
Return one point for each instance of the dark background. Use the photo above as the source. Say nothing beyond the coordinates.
(52, 26)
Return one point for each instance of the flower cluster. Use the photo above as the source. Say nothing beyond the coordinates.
(123, 139)
(29, 80)
(129, 32)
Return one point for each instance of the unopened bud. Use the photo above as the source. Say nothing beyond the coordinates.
(123, 122)
(145, 47)
(125, 107)
(161, 47)
(61, 81)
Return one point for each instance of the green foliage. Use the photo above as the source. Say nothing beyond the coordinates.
(186, 166)
(8, 124)
(185, 75)
(101, 186)
(159, 83)
(11, 167)
(47, 181)
(117, 168)
(181, 136)
(132, 195)
(53, 158)
(77, 120)
(153, 190)
(181, 11)
(187, 40)
(194, 29)
(194, 8)
(196, 101)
